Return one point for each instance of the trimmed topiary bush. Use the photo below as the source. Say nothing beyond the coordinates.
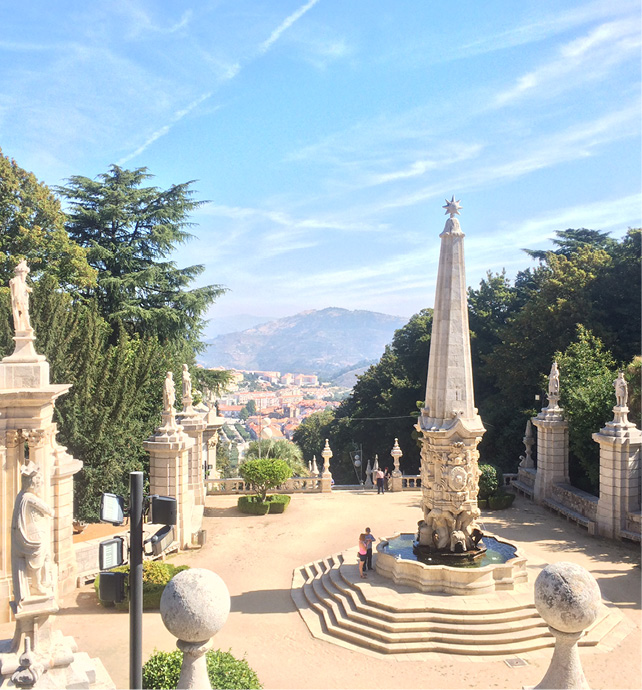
(272, 504)
(252, 505)
(156, 574)
(163, 669)
(501, 500)
(279, 502)
(264, 474)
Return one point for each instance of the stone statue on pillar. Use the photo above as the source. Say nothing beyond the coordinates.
(20, 298)
(554, 386)
(30, 540)
(621, 390)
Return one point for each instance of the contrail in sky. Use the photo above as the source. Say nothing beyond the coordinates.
(178, 115)
(286, 24)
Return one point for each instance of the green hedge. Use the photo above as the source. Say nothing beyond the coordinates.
(156, 574)
(163, 669)
(501, 500)
(273, 504)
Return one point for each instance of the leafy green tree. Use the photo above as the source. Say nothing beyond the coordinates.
(310, 435)
(383, 404)
(280, 448)
(587, 371)
(265, 474)
(129, 231)
(116, 396)
(32, 228)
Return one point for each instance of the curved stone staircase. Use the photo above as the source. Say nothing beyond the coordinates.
(384, 618)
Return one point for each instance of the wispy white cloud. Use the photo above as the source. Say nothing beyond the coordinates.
(162, 131)
(551, 24)
(586, 58)
(285, 25)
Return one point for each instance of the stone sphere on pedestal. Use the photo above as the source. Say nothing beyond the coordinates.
(567, 597)
(195, 605)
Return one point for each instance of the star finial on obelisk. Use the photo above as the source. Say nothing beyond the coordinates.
(452, 207)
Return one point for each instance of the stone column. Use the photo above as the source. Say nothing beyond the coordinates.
(27, 430)
(568, 598)
(396, 481)
(620, 443)
(210, 442)
(169, 467)
(194, 606)
(552, 443)
(326, 476)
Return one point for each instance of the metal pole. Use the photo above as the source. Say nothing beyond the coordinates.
(136, 580)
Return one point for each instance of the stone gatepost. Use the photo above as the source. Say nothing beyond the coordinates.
(28, 433)
(169, 467)
(396, 481)
(620, 443)
(326, 475)
(213, 424)
(552, 442)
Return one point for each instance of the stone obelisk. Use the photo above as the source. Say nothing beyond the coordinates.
(449, 426)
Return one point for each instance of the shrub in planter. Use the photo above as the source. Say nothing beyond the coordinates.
(501, 500)
(156, 574)
(163, 669)
(264, 474)
(251, 505)
(488, 481)
(279, 502)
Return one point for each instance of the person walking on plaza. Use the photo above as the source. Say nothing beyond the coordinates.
(379, 478)
(363, 552)
(370, 540)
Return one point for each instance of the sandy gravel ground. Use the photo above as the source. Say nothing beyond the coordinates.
(256, 556)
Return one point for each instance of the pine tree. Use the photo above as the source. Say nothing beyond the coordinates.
(129, 231)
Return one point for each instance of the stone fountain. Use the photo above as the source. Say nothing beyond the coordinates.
(450, 430)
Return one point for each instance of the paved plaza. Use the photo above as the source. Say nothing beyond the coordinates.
(256, 557)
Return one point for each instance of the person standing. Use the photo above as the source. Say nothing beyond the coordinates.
(363, 552)
(379, 478)
(369, 540)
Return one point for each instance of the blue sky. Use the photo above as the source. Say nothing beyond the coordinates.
(326, 134)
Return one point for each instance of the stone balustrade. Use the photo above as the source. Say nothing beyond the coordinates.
(410, 481)
(236, 485)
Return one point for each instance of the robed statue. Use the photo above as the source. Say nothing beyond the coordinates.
(30, 539)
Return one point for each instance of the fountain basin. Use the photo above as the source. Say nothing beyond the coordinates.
(502, 567)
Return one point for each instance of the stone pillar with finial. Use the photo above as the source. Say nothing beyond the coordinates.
(194, 606)
(396, 481)
(568, 598)
(368, 483)
(169, 466)
(194, 425)
(326, 476)
(620, 442)
(552, 442)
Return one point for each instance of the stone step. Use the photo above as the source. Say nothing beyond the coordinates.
(365, 636)
(338, 606)
(504, 613)
(427, 620)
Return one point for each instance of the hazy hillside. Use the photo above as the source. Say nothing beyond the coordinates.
(317, 342)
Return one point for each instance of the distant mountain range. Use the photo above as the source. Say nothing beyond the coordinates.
(326, 342)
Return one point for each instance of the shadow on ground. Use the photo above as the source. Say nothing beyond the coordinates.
(264, 601)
